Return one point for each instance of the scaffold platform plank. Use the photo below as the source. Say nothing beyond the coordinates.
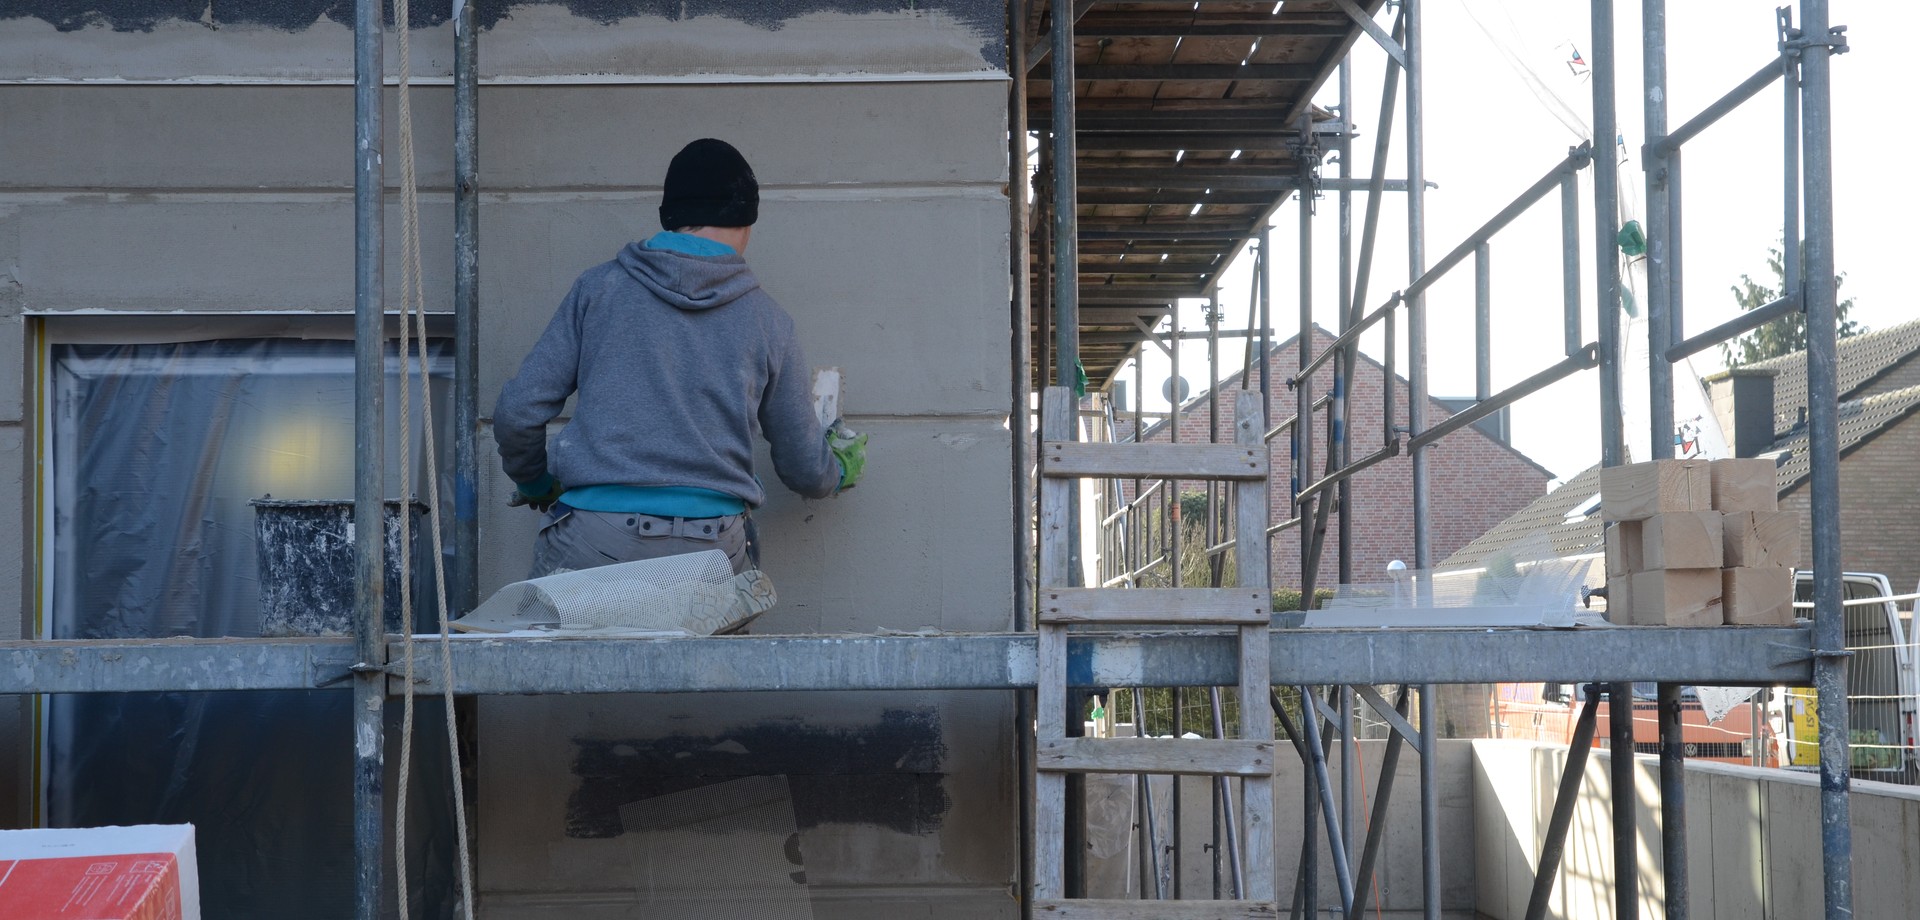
(1066, 459)
(1163, 606)
(1155, 910)
(1715, 656)
(1206, 757)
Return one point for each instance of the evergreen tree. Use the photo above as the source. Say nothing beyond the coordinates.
(1785, 335)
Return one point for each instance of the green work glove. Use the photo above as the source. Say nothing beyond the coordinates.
(539, 494)
(851, 450)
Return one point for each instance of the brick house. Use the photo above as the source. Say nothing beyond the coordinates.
(1476, 480)
(1762, 408)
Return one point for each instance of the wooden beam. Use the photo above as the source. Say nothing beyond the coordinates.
(1197, 248)
(1146, 234)
(1148, 266)
(1156, 25)
(1090, 909)
(1186, 73)
(1126, 293)
(1195, 606)
(1119, 315)
(1153, 461)
(1250, 118)
(1264, 180)
(1188, 197)
(1203, 757)
(1185, 140)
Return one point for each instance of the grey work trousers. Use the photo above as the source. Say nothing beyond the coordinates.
(573, 539)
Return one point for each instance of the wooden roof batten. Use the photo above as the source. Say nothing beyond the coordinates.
(1188, 120)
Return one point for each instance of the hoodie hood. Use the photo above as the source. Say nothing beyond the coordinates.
(685, 281)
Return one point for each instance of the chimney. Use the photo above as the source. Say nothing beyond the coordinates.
(1752, 433)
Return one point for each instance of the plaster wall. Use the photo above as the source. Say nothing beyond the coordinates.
(172, 168)
(1753, 839)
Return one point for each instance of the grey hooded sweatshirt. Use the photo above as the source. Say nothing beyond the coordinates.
(678, 359)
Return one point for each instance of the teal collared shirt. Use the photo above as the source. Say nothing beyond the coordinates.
(687, 243)
(659, 501)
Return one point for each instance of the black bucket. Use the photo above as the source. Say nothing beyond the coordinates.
(306, 566)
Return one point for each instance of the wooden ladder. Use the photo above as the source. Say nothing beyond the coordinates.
(1248, 607)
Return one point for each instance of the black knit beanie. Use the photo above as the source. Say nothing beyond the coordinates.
(709, 184)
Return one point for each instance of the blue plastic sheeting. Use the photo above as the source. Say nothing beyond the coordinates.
(157, 451)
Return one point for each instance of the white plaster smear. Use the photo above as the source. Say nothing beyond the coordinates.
(539, 44)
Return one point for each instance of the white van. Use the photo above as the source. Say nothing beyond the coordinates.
(1883, 688)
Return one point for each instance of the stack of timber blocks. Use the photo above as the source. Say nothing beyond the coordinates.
(1698, 543)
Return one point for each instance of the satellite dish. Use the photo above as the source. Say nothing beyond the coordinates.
(1174, 383)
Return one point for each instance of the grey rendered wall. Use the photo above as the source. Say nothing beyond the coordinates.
(878, 136)
(1753, 839)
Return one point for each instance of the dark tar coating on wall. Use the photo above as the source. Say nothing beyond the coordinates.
(987, 17)
(885, 774)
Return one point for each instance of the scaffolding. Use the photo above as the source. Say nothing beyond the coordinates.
(1140, 533)
(1342, 664)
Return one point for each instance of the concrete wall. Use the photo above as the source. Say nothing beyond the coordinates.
(1753, 839)
(161, 164)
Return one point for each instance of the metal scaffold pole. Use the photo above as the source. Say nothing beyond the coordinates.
(1653, 161)
(1829, 625)
(1066, 242)
(1020, 256)
(369, 372)
(1606, 246)
(1021, 306)
(1416, 422)
(1344, 492)
(1663, 328)
(1066, 336)
(466, 311)
(1606, 217)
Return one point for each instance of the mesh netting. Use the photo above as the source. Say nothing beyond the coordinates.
(693, 593)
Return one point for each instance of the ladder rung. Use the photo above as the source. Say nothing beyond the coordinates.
(1153, 461)
(1155, 755)
(1155, 910)
(1248, 606)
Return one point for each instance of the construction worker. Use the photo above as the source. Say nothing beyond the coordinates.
(678, 357)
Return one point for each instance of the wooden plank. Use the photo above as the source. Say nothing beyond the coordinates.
(1620, 600)
(1057, 425)
(1623, 549)
(1761, 538)
(1156, 605)
(1639, 491)
(1745, 484)
(1155, 910)
(1677, 597)
(1156, 755)
(1169, 73)
(1757, 595)
(1256, 671)
(1680, 540)
(1049, 835)
(1057, 420)
(1250, 497)
(1153, 461)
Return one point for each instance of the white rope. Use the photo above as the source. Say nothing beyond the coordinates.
(413, 304)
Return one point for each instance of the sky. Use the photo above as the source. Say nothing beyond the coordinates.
(1488, 135)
